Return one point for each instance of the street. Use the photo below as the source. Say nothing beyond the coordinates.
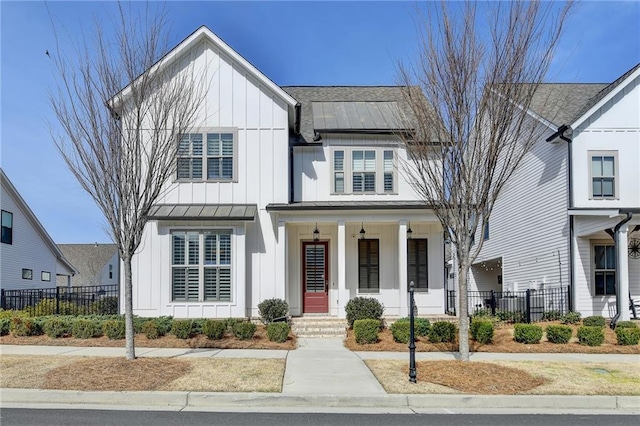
(45, 417)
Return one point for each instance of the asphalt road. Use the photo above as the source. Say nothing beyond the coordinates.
(45, 417)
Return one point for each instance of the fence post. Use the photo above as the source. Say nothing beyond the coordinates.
(570, 298)
(493, 303)
(528, 305)
(57, 300)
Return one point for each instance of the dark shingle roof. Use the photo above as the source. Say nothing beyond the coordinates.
(560, 102)
(88, 259)
(308, 95)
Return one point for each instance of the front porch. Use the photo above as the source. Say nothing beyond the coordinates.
(334, 255)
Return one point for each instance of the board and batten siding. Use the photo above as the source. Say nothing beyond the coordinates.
(529, 225)
(312, 169)
(28, 251)
(235, 100)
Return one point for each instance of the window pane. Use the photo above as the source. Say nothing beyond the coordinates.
(599, 283)
(194, 250)
(369, 182)
(339, 183)
(600, 260)
(227, 144)
(196, 142)
(7, 219)
(184, 167)
(388, 182)
(225, 249)
(227, 168)
(596, 166)
(179, 284)
(178, 248)
(607, 187)
(193, 284)
(607, 166)
(197, 168)
(610, 283)
(210, 249)
(358, 160)
(213, 144)
(338, 160)
(224, 284)
(388, 161)
(611, 257)
(183, 145)
(597, 187)
(368, 266)
(369, 160)
(210, 283)
(357, 182)
(213, 168)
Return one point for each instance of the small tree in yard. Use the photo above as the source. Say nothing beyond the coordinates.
(121, 110)
(468, 100)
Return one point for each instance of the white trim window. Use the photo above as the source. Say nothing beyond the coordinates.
(201, 266)
(603, 174)
(604, 264)
(388, 171)
(363, 166)
(208, 155)
(338, 171)
(372, 171)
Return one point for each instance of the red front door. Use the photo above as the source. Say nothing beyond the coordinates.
(315, 277)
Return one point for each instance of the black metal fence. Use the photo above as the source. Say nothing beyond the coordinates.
(516, 306)
(79, 300)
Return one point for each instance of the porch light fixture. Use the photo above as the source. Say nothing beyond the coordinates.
(409, 232)
(362, 232)
(316, 233)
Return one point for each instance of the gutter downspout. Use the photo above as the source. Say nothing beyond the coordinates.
(620, 295)
(568, 131)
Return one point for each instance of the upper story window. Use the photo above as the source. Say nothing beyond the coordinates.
(371, 171)
(210, 156)
(7, 227)
(603, 174)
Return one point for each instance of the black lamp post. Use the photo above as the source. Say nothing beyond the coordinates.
(412, 342)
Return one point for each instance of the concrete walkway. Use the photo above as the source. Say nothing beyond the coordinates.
(321, 375)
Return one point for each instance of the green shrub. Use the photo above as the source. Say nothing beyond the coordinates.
(114, 329)
(421, 325)
(196, 326)
(553, 315)
(482, 313)
(442, 331)
(47, 307)
(8, 314)
(84, 328)
(278, 331)
(400, 330)
(5, 324)
(513, 317)
(628, 336)
(21, 327)
(231, 322)
(559, 333)
(626, 324)
(571, 318)
(214, 329)
(182, 329)
(481, 331)
(591, 335)
(363, 308)
(527, 333)
(150, 329)
(107, 305)
(594, 321)
(366, 330)
(270, 309)
(56, 327)
(244, 330)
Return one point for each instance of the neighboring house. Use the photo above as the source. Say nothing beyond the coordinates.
(555, 221)
(288, 192)
(28, 256)
(97, 264)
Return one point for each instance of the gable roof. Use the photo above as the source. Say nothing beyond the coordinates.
(204, 33)
(31, 217)
(346, 109)
(558, 103)
(89, 259)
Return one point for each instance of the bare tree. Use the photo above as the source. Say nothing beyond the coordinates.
(469, 99)
(121, 108)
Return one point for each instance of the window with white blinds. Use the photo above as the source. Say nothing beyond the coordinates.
(388, 171)
(417, 263)
(207, 156)
(201, 265)
(363, 171)
(338, 172)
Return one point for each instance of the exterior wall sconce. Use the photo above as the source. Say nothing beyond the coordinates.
(362, 232)
(316, 233)
(409, 232)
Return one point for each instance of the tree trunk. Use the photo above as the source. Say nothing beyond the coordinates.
(463, 311)
(128, 309)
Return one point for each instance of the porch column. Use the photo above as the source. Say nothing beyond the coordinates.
(622, 273)
(402, 268)
(343, 295)
(282, 290)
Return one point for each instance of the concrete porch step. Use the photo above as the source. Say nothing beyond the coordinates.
(314, 326)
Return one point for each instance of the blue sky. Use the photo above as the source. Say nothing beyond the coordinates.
(293, 43)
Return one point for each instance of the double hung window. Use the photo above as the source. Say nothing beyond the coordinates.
(604, 269)
(371, 171)
(364, 171)
(207, 156)
(7, 227)
(201, 265)
(603, 175)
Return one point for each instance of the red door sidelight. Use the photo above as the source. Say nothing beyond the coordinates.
(315, 277)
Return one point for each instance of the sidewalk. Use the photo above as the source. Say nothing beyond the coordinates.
(320, 376)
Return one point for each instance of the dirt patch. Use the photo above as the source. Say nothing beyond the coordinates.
(502, 342)
(259, 341)
(142, 374)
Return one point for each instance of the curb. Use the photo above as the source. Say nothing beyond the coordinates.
(219, 400)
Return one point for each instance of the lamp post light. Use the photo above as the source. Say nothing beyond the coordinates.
(412, 341)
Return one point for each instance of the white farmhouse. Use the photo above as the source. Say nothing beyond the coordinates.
(555, 223)
(29, 259)
(287, 192)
